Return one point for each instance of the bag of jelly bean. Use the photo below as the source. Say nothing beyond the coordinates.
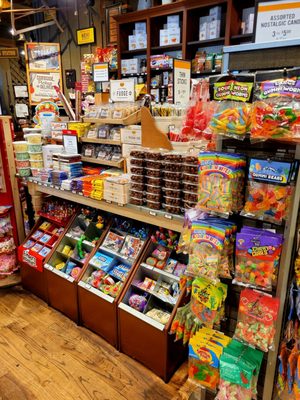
(233, 96)
(257, 318)
(257, 258)
(269, 190)
(276, 112)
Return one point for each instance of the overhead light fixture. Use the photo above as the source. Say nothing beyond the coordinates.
(12, 31)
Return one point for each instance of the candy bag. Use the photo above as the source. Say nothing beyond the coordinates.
(256, 319)
(221, 182)
(269, 191)
(276, 111)
(257, 258)
(207, 299)
(233, 111)
(205, 350)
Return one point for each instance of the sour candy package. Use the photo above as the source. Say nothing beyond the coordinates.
(257, 257)
(257, 319)
(207, 301)
(211, 248)
(269, 190)
(233, 109)
(276, 111)
(205, 350)
(239, 369)
(221, 182)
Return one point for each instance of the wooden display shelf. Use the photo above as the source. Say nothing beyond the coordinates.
(136, 51)
(169, 47)
(132, 119)
(156, 218)
(93, 302)
(100, 141)
(209, 42)
(62, 288)
(117, 164)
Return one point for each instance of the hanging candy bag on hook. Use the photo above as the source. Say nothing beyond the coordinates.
(232, 95)
(269, 190)
(276, 109)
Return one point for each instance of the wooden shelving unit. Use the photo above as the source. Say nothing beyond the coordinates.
(143, 214)
(100, 141)
(189, 12)
(109, 163)
(132, 119)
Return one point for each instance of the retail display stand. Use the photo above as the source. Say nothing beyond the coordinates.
(35, 251)
(62, 286)
(142, 337)
(98, 310)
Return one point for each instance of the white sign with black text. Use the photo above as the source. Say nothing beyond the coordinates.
(182, 81)
(122, 90)
(277, 20)
(101, 72)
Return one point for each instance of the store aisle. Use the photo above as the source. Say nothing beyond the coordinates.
(44, 355)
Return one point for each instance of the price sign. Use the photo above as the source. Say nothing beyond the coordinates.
(277, 20)
(101, 72)
(122, 90)
(182, 81)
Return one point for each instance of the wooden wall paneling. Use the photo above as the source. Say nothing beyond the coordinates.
(229, 13)
(184, 34)
(148, 53)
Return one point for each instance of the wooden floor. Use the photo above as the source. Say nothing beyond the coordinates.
(44, 355)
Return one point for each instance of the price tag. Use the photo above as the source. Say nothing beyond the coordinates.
(152, 213)
(168, 216)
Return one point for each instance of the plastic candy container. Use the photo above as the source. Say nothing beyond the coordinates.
(256, 319)
(239, 370)
(276, 113)
(269, 191)
(257, 257)
(207, 301)
(221, 182)
(233, 113)
(205, 349)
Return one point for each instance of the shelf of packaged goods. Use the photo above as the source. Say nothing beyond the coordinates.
(100, 141)
(132, 119)
(157, 218)
(117, 164)
(135, 51)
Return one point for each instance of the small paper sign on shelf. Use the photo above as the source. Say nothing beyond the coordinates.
(122, 90)
(182, 81)
(70, 141)
(101, 72)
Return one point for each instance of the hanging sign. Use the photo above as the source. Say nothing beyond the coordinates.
(122, 90)
(11, 52)
(182, 81)
(41, 86)
(43, 67)
(101, 72)
(86, 36)
(277, 20)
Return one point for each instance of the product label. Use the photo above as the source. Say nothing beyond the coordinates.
(269, 171)
(29, 259)
(280, 87)
(233, 90)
